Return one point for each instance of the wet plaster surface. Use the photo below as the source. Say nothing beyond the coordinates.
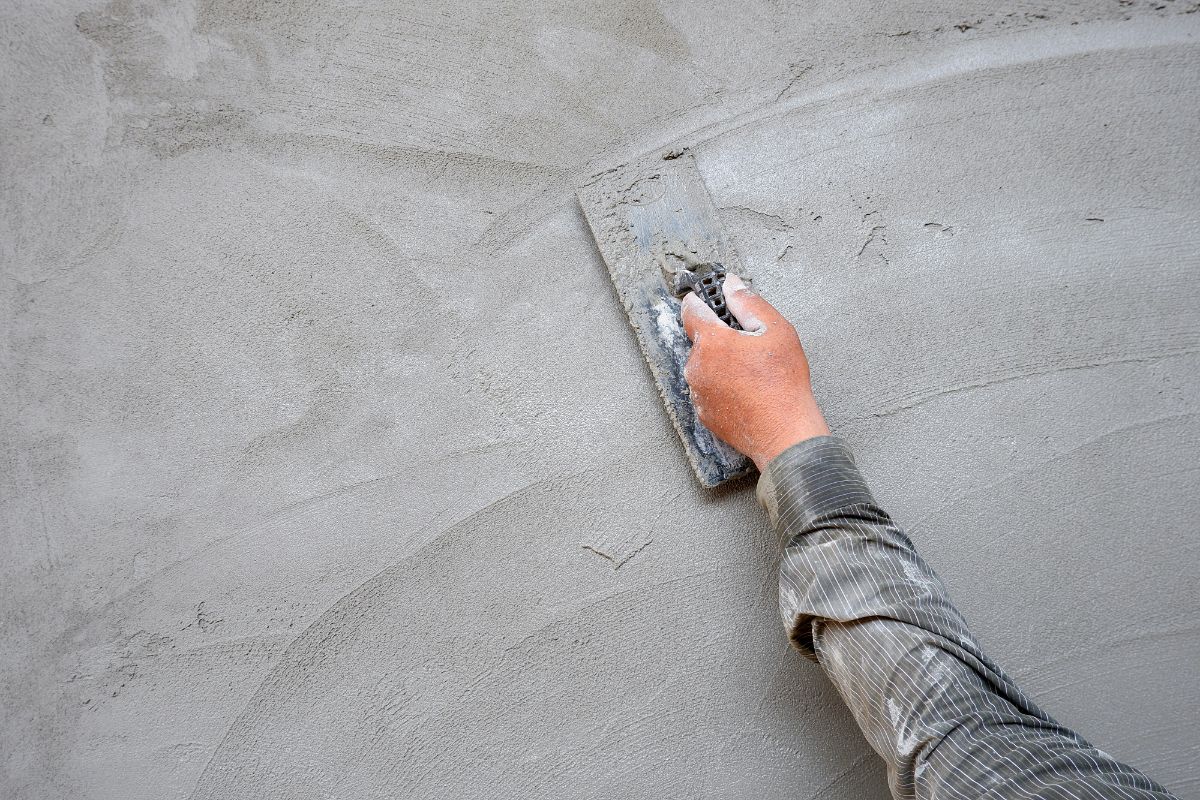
(330, 465)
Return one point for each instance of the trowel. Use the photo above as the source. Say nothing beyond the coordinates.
(659, 234)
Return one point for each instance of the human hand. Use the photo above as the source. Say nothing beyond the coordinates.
(751, 387)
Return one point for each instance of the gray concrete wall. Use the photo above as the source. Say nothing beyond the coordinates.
(316, 394)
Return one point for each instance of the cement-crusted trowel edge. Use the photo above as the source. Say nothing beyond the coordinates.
(635, 210)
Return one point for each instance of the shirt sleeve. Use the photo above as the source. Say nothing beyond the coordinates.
(857, 598)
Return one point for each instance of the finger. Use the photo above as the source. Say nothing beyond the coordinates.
(698, 318)
(752, 312)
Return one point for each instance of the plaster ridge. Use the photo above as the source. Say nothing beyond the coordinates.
(1049, 370)
(978, 55)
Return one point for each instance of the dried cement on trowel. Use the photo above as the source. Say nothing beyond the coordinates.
(651, 218)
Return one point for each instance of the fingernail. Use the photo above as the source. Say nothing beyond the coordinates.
(734, 283)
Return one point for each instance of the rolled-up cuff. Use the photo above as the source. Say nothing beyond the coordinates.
(809, 479)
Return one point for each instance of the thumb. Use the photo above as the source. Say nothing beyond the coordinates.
(699, 318)
(752, 312)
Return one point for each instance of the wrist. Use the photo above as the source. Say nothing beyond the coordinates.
(802, 427)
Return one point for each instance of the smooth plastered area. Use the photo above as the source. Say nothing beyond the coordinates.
(331, 467)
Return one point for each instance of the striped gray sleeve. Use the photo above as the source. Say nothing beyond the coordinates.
(857, 598)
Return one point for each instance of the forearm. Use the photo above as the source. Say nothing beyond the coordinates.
(856, 597)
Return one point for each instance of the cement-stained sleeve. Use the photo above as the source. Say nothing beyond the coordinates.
(855, 596)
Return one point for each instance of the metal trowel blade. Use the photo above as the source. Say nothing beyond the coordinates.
(647, 217)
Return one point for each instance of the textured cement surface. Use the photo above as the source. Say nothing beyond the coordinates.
(316, 393)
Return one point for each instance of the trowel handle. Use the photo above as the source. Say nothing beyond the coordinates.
(705, 280)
